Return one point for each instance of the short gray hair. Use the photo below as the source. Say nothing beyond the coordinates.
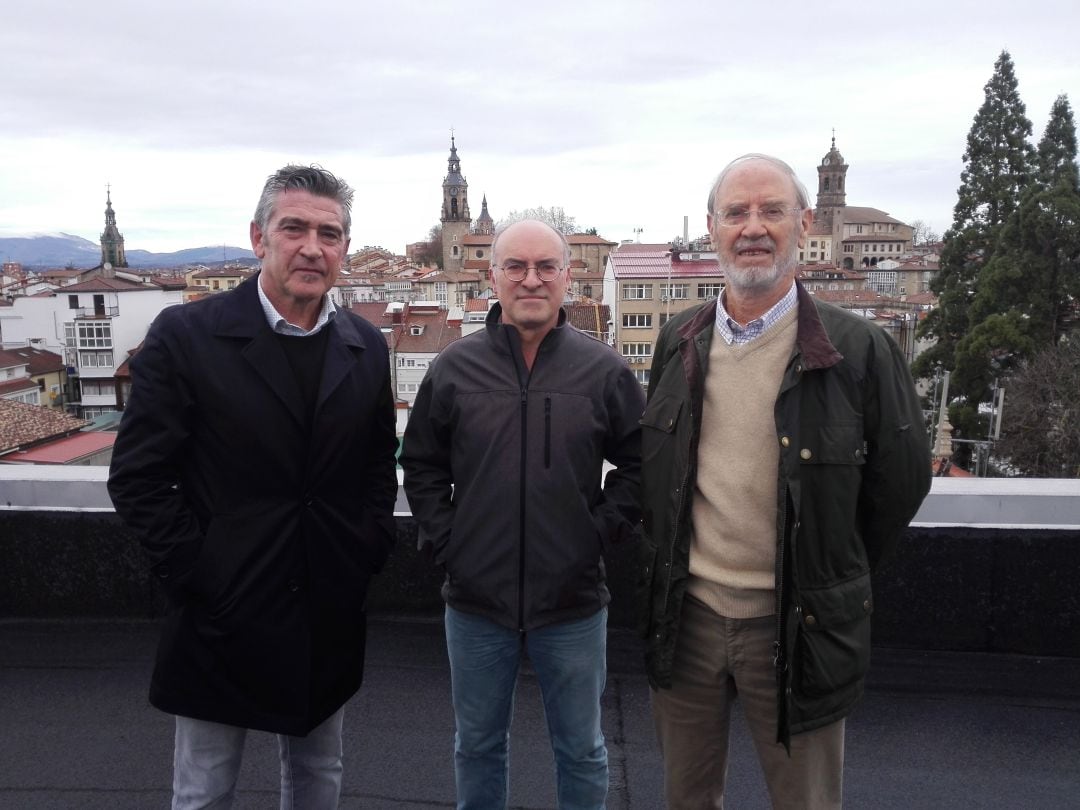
(556, 231)
(802, 198)
(312, 179)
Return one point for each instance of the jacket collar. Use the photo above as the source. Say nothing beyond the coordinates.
(812, 340)
(496, 330)
(240, 315)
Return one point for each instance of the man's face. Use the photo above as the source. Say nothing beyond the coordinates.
(530, 304)
(758, 257)
(301, 250)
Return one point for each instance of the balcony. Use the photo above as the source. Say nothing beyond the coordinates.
(96, 312)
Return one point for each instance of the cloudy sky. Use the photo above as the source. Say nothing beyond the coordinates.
(621, 112)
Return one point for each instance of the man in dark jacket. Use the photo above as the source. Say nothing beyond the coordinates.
(256, 460)
(503, 459)
(783, 454)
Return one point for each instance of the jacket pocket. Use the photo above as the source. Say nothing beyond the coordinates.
(832, 444)
(832, 643)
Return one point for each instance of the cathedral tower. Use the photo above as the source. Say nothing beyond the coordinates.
(831, 195)
(112, 241)
(455, 219)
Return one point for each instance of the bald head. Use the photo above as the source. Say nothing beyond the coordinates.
(528, 226)
(802, 198)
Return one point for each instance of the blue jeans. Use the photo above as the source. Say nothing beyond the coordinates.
(570, 661)
(206, 762)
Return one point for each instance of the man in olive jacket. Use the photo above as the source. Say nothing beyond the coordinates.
(256, 460)
(783, 453)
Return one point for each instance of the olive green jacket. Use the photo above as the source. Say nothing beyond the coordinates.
(854, 467)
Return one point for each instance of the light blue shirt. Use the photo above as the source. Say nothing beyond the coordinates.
(277, 321)
(737, 335)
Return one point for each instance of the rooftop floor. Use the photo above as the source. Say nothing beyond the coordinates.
(935, 730)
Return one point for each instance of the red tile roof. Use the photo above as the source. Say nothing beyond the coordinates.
(66, 450)
(39, 361)
(22, 424)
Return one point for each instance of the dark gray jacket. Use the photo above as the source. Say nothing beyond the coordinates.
(503, 471)
(854, 467)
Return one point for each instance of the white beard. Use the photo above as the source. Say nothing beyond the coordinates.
(757, 280)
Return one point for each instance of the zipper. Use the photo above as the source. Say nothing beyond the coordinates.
(547, 433)
(523, 389)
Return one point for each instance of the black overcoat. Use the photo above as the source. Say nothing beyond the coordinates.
(263, 523)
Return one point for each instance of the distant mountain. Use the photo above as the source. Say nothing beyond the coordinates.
(62, 249)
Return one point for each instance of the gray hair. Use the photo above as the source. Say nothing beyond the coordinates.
(313, 179)
(562, 238)
(802, 198)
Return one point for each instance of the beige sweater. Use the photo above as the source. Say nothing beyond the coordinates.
(733, 547)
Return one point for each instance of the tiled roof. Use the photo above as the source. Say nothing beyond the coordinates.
(591, 318)
(22, 424)
(588, 239)
(39, 361)
(855, 214)
(435, 337)
(476, 305)
(66, 450)
(849, 296)
(104, 285)
(374, 312)
(219, 273)
(17, 385)
(9, 359)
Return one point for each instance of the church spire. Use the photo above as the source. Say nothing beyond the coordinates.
(456, 219)
(112, 241)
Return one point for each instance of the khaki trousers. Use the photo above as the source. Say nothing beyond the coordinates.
(717, 659)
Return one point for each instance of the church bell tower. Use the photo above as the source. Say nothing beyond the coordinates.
(456, 220)
(831, 194)
(112, 241)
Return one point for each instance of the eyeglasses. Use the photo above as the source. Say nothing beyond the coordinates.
(772, 214)
(518, 271)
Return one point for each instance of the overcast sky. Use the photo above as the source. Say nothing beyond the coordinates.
(621, 112)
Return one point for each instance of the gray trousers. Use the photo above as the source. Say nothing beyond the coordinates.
(717, 659)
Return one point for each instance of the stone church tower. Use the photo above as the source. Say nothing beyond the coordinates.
(112, 241)
(831, 195)
(456, 220)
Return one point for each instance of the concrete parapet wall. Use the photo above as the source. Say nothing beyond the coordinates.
(968, 588)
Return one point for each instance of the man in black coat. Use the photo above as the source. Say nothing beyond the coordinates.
(256, 461)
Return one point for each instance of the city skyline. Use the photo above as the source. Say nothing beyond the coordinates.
(622, 115)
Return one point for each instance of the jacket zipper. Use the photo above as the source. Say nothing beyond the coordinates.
(547, 433)
(523, 377)
(521, 495)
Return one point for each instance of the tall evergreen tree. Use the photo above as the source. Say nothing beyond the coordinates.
(1027, 290)
(998, 165)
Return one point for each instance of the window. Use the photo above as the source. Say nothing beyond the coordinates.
(676, 292)
(637, 321)
(666, 316)
(98, 388)
(96, 359)
(709, 290)
(813, 243)
(637, 350)
(479, 253)
(813, 254)
(407, 388)
(73, 302)
(849, 248)
(587, 290)
(637, 292)
(95, 335)
(642, 375)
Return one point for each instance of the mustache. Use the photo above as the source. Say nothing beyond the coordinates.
(761, 243)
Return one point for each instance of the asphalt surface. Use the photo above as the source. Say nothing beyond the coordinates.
(934, 731)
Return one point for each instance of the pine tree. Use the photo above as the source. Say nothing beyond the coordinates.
(998, 165)
(1027, 290)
